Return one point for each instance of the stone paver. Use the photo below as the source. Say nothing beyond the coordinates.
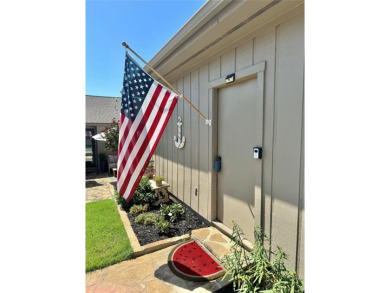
(98, 188)
(149, 271)
(216, 242)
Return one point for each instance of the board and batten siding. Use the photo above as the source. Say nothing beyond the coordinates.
(189, 170)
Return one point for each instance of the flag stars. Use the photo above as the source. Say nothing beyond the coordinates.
(136, 87)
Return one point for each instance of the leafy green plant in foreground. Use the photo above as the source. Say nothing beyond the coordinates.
(143, 195)
(136, 209)
(147, 219)
(254, 272)
(172, 212)
(163, 226)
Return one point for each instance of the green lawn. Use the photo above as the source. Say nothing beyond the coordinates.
(105, 236)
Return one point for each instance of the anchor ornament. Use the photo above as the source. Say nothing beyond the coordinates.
(179, 143)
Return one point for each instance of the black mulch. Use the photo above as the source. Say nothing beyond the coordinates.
(149, 234)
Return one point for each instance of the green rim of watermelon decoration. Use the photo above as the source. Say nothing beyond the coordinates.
(191, 262)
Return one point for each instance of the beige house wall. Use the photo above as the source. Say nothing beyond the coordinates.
(190, 170)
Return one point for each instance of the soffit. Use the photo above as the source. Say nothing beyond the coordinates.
(230, 24)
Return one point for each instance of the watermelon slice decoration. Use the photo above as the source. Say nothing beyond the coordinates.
(191, 262)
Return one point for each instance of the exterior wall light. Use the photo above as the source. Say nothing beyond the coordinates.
(230, 78)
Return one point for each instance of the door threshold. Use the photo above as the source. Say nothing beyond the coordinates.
(228, 232)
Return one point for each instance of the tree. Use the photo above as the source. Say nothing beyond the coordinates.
(112, 136)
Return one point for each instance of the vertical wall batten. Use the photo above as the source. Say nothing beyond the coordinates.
(203, 189)
(214, 69)
(169, 135)
(300, 267)
(244, 55)
(194, 140)
(173, 118)
(188, 146)
(180, 152)
(228, 63)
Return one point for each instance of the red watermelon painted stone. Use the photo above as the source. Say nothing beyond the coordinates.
(190, 261)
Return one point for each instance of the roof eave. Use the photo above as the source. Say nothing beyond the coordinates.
(200, 18)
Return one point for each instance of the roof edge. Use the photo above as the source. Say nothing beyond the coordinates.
(200, 18)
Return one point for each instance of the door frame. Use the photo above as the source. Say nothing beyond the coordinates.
(254, 71)
(93, 144)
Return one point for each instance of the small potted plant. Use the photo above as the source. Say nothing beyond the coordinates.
(150, 171)
(159, 180)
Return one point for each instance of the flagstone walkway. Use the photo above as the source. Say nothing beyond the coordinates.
(149, 271)
(98, 187)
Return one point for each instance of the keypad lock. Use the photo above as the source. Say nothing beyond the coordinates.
(257, 152)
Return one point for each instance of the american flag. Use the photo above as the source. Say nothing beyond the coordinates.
(145, 111)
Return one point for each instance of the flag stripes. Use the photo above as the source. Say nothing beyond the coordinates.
(139, 138)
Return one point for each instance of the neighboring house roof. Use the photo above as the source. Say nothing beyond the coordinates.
(102, 109)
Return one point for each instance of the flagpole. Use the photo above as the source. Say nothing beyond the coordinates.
(174, 89)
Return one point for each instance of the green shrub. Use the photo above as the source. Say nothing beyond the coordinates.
(143, 195)
(172, 212)
(163, 226)
(253, 271)
(136, 209)
(147, 219)
(122, 202)
(112, 136)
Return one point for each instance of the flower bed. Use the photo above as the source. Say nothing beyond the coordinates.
(149, 233)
